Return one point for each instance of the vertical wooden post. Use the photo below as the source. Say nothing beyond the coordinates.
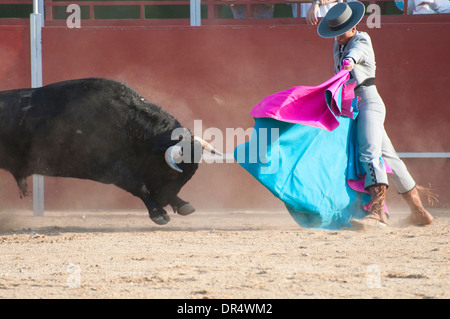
(36, 22)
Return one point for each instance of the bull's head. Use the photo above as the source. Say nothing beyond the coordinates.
(177, 153)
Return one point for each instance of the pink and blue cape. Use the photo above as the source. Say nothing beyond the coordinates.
(303, 149)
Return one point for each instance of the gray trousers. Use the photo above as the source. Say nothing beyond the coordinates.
(375, 145)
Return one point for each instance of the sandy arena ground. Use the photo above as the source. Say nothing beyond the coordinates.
(225, 254)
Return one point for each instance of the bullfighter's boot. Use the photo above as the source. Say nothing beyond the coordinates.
(376, 217)
(419, 215)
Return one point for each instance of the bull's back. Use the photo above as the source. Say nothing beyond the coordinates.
(78, 127)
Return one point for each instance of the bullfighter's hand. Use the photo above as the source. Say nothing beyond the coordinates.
(349, 65)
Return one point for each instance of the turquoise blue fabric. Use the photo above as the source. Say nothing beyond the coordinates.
(303, 149)
(307, 168)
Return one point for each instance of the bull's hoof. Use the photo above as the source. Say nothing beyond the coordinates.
(161, 220)
(159, 216)
(186, 209)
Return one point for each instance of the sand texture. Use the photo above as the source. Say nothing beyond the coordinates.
(217, 254)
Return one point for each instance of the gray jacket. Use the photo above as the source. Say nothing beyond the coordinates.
(359, 48)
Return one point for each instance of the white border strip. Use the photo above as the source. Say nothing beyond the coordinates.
(229, 157)
(424, 155)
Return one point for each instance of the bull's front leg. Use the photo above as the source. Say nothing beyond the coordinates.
(156, 213)
(135, 186)
(23, 187)
(181, 207)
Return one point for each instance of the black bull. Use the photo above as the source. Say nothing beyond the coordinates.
(99, 130)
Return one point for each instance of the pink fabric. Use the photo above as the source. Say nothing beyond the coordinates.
(306, 104)
(358, 185)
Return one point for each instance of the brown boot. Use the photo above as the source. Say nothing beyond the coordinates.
(419, 215)
(377, 215)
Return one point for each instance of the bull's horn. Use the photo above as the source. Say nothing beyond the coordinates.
(172, 153)
(207, 146)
